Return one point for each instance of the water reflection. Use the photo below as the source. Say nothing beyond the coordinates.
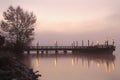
(55, 61)
(107, 62)
(73, 61)
(37, 61)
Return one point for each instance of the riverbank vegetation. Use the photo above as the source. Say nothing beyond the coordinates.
(17, 32)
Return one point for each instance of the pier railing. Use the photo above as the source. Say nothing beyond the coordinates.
(66, 47)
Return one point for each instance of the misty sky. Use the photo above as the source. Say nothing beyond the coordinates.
(69, 20)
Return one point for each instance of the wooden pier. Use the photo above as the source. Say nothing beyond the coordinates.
(73, 49)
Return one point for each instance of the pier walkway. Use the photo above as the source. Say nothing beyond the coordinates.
(65, 49)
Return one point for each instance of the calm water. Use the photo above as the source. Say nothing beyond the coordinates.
(76, 67)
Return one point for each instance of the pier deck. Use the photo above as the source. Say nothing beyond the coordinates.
(74, 49)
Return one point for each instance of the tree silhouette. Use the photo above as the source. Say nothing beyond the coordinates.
(2, 40)
(19, 25)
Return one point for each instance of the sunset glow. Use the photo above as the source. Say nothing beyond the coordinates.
(59, 39)
(68, 17)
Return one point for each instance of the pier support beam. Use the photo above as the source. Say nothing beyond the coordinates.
(28, 52)
(65, 51)
(73, 51)
(46, 51)
(37, 51)
(42, 52)
(56, 51)
(88, 43)
(82, 43)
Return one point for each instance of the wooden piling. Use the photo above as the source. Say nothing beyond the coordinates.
(37, 51)
(82, 43)
(56, 51)
(76, 43)
(42, 52)
(113, 42)
(28, 52)
(65, 51)
(88, 42)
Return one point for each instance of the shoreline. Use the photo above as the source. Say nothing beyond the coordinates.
(13, 69)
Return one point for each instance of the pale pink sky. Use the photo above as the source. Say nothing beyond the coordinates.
(68, 20)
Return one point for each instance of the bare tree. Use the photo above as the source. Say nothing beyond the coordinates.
(19, 25)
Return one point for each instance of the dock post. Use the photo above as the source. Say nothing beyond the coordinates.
(28, 52)
(107, 43)
(82, 43)
(73, 43)
(97, 43)
(37, 44)
(56, 51)
(113, 42)
(77, 43)
(65, 51)
(46, 51)
(37, 51)
(56, 44)
(88, 43)
(42, 52)
(72, 51)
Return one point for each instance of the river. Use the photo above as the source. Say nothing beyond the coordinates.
(76, 67)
